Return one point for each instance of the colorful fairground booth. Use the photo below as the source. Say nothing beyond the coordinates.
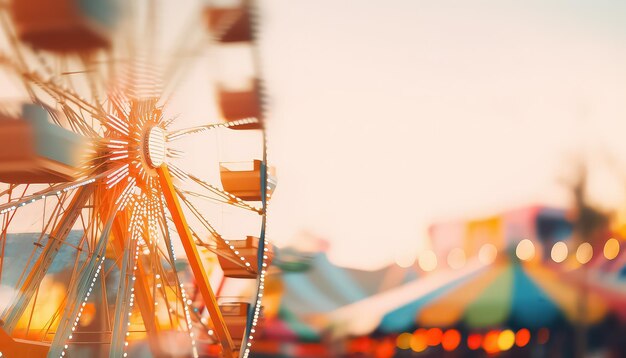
(518, 282)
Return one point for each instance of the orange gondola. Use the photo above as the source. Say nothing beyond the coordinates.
(246, 249)
(245, 183)
(33, 150)
(235, 316)
(229, 24)
(240, 104)
(64, 25)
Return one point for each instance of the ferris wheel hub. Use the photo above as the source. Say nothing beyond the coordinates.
(154, 146)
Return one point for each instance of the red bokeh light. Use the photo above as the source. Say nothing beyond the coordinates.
(433, 336)
(522, 337)
(385, 349)
(474, 341)
(451, 339)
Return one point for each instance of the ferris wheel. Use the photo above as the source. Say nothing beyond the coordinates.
(133, 179)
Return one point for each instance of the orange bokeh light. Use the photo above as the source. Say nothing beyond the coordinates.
(451, 339)
(419, 340)
(474, 341)
(403, 341)
(522, 337)
(490, 344)
(433, 336)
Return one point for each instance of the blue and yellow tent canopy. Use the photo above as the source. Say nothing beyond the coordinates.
(326, 287)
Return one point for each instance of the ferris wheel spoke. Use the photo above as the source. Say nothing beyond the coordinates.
(195, 262)
(186, 50)
(83, 127)
(224, 247)
(236, 259)
(212, 247)
(55, 240)
(227, 197)
(81, 290)
(61, 93)
(53, 190)
(9, 190)
(53, 216)
(9, 201)
(198, 214)
(124, 301)
(94, 78)
(50, 86)
(242, 205)
(143, 295)
(7, 219)
(77, 270)
(181, 133)
(168, 255)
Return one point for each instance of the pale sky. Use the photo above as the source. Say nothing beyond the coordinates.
(388, 116)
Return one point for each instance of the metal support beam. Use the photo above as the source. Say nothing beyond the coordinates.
(195, 262)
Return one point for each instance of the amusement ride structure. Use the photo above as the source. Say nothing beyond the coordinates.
(109, 240)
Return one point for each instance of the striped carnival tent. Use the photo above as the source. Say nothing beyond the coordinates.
(326, 287)
(485, 286)
(483, 279)
(524, 287)
(335, 301)
(508, 294)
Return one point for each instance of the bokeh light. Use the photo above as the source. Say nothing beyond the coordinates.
(506, 339)
(584, 253)
(428, 261)
(434, 336)
(474, 341)
(522, 337)
(611, 249)
(559, 252)
(403, 341)
(405, 259)
(487, 254)
(451, 340)
(456, 258)
(525, 250)
(419, 340)
(490, 343)
(385, 349)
